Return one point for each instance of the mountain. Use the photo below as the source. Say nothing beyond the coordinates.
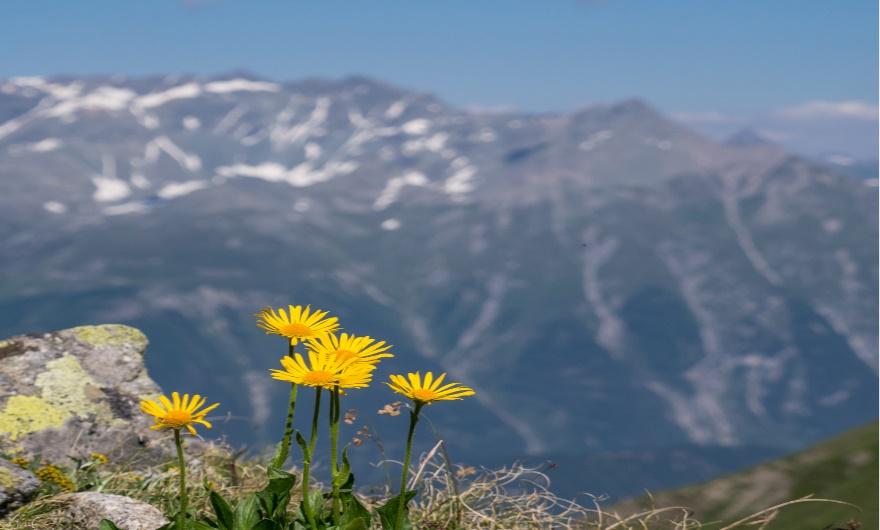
(748, 137)
(844, 468)
(608, 280)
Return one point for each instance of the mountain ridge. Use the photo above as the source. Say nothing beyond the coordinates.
(712, 295)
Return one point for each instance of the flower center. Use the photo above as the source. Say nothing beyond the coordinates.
(319, 378)
(424, 394)
(296, 330)
(177, 419)
(344, 355)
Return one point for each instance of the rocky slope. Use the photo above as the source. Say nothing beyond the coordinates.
(844, 468)
(597, 276)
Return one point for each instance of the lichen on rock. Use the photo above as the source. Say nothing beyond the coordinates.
(109, 335)
(75, 391)
(26, 414)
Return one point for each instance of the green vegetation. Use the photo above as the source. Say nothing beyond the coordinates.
(450, 497)
(843, 468)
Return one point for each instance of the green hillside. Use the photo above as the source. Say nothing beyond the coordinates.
(843, 468)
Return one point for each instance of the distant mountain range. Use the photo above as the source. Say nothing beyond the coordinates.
(608, 280)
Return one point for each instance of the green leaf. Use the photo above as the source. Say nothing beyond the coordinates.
(356, 524)
(198, 525)
(107, 524)
(246, 514)
(342, 479)
(222, 510)
(312, 504)
(388, 512)
(267, 524)
(354, 514)
(276, 495)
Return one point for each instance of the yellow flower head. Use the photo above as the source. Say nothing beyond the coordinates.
(345, 347)
(178, 413)
(297, 323)
(100, 458)
(325, 371)
(428, 390)
(54, 475)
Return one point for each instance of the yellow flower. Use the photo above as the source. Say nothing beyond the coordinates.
(21, 462)
(297, 323)
(100, 458)
(345, 347)
(428, 390)
(54, 475)
(325, 371)
(178, 413)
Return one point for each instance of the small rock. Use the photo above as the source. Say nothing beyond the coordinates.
(72, 392)
(85, 511)
(17, 486)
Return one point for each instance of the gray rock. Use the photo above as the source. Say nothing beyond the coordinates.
(86, 509)
(72, 392)
(17, 486)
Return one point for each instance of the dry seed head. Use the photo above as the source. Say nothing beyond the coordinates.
(392, 409)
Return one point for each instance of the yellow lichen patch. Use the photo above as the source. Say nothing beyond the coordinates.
(112, 335)
(67, 386)
(7, 479)
(67, 390)
(27, 414)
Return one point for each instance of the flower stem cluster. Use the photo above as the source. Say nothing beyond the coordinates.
(331, 363)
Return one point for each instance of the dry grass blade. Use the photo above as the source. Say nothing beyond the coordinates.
(776, 508)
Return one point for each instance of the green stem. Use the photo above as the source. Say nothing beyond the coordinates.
(307, 460)
(401, 503)
(181, 515)
(334, 464)
(284, 447)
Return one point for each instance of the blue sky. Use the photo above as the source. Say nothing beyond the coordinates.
(753, 62)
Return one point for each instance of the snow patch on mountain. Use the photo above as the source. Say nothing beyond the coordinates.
(54, 207)
(283, 133)
(395, 185)
(161, 144)
(110, 189)
(103, 98)
(179, 189)
(416, 127)
(434, 143)
(395, 110)
(240, 85)
(157, 99)
(191, 123)
(390, 224)
(302, 175)
(42, 146)
(461, 182)
(595, 139)
(597, 251)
